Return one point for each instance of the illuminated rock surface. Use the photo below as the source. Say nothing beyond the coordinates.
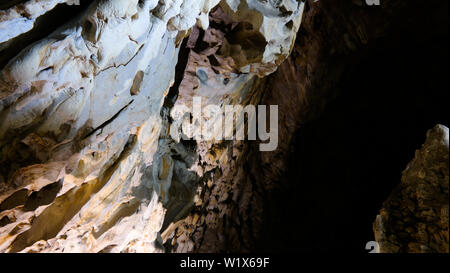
(86, 161)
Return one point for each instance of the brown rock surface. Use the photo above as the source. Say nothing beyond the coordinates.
(414, 218)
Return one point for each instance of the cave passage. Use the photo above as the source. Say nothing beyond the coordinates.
(345, 164)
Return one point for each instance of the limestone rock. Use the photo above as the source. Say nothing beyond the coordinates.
(21, 18)
(86, 163)
(266, 33)
(81, 108)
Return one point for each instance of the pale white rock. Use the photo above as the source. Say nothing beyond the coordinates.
(87, 100)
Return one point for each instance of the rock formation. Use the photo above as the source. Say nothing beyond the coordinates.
(414, 219)
(88, 158)
(87, 164)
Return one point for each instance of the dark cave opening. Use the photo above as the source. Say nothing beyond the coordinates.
(344, 164)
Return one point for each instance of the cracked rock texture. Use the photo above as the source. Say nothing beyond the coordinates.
(415, 219)
(86, 162)
(20, 18)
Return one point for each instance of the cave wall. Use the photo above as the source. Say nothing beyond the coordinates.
(87, 159)
(87, 162)
(274, 207)
(414, 218)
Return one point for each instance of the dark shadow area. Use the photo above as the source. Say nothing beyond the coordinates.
(345, 164)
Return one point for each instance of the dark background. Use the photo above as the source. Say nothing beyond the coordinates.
(344, 164)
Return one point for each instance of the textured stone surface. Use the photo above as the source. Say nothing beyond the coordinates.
(21, 18)
(414, 219)
(87, 164)
(213, 73)
(80, 109)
